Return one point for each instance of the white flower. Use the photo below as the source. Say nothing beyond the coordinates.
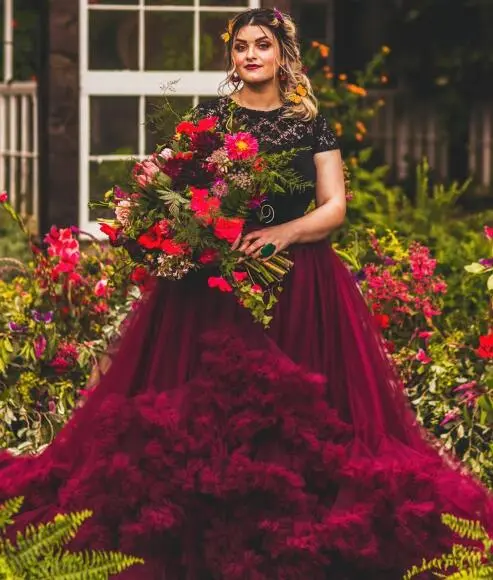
(166, 153)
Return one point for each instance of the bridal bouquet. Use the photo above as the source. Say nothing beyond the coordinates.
(190, 201)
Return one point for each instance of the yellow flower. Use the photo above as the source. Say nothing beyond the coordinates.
(226, 36)
(385, 49)
(380, 102)
(324, 50)
(338, 128)
(355, 89)
(343, 77)
(294, 98)
(361, 127)
(300, 92)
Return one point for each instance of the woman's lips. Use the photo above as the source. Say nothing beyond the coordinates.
(252, 66)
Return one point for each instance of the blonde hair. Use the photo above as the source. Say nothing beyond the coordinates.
(284, 30)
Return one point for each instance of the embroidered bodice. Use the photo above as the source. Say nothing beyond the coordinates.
(276, 133)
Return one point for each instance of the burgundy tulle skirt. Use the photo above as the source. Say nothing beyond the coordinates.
(216, 450)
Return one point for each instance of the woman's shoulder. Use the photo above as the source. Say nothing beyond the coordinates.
(324, 136)
(211, 107)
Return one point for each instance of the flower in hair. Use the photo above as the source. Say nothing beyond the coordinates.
(226, 36)
(278, 15)
(300, 92)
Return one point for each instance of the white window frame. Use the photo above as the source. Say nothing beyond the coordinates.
(95, 83)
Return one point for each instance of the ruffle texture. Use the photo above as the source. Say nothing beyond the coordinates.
(217, 451)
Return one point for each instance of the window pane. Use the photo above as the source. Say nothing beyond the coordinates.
(224, 3)
(160, 119)
(169, 2)
(113, 40)
(169, 41)
(114, 125)
(212, 25)
(114, 2)
(103, 176)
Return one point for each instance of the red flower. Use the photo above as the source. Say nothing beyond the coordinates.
(257, 289)
(139, 275)
(111, 232)
(185, 127)
(208, 255)
(207, 124)
(259, 164)
(485, 349)
(3, 197)
(383, 320)
(240, 276)
(219, 282)
(154, 236)
(173, 248)
(228, 228)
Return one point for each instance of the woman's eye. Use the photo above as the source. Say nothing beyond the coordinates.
(239, 47)
(264, 46)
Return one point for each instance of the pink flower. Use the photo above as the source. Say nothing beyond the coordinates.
(425, 334)
(123, 212)
(220, 283)
(422, 357)
(3, 197)
(450, 416)
(39, 346)
(240, 276)
(488, 232)
(241, 145)
(101, 288)
(145, 172)
(257, 289)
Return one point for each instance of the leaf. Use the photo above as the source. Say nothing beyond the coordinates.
(474, 268)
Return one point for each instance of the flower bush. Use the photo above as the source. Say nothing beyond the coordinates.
(446, 369)
(58, 314)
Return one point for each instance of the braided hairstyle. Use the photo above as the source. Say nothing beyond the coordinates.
(284, 30)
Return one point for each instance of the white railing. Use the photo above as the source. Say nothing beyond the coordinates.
(19, 146)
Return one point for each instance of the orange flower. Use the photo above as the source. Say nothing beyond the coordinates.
(324, 50)
(329, 75)
(338, 128)
(361, 127)
(315, 44)
(384, 79)
(326, 68)
(359, 137)
(343, 77)
(385, 49)
(356, 90)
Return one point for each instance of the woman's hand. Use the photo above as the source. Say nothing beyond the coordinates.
(251, 244)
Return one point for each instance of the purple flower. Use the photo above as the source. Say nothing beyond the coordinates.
(360, 275)
(220, 188)
(14, 327)
(486, 262)
(45, 317)
(119, 193)
(39, 346)
(278, 14)
(388, 261)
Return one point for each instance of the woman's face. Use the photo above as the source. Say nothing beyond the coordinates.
(256, 54)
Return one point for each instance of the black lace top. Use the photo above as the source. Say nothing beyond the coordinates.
(274, 133)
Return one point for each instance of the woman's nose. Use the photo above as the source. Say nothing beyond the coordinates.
(251, 51)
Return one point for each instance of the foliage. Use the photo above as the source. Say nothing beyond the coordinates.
(468, 562)
(448, 379)
(58, 313)
(37, 553)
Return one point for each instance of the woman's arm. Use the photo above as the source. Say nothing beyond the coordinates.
(316, 225)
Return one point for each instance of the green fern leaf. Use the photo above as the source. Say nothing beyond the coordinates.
(9, 509)
(37, 541)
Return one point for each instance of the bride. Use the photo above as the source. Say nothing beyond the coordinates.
(215, 449)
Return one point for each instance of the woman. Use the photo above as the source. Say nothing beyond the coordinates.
(216, 450)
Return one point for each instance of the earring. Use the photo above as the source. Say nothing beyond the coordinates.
(235, 78)
(283, 75)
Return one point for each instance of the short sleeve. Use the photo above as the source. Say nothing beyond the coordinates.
(324, 138)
